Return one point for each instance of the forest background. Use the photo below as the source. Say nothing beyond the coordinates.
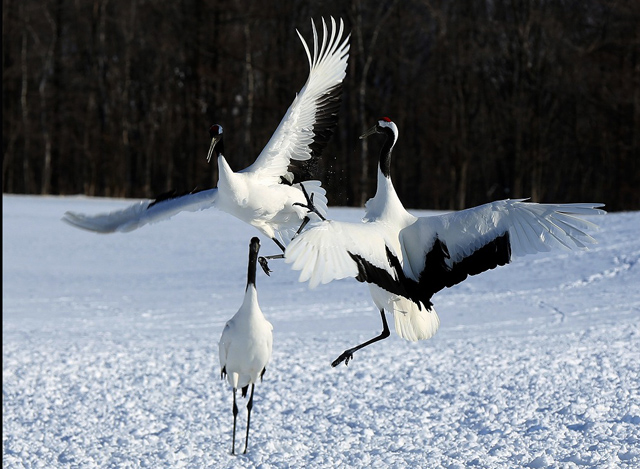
(493, 98)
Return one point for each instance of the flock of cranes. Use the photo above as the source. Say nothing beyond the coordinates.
(404, 259)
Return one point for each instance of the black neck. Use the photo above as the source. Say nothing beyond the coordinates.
(385, 152)
(253, 261)
(219, 149)
(251, 271)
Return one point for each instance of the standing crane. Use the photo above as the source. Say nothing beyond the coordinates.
(407, 259)
(245, 345)
(265, 194)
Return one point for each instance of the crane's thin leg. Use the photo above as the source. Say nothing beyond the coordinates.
(310, 206)
(235, 414)
(280, 245)
(348, 354)
(249, 407)
(264, 260)
(302, 225)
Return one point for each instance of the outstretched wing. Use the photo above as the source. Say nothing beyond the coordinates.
(439, 251)
(312, 117)
(334, 250)
(142, 213)
(442, 251)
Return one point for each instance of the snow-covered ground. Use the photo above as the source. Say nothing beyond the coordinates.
(110, 355)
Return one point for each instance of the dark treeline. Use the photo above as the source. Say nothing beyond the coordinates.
(493, 98)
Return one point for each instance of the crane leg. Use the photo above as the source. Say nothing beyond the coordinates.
(264, 260)
(347, 355)
(280, 245)
(302, 225)
(235, 415)
(310, 206)
(249, 407)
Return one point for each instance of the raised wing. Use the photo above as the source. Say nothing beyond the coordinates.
(442, 251)
(142, 213)
(309, 122)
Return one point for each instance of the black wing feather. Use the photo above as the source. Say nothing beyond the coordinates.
(438, 274)
(326, 121)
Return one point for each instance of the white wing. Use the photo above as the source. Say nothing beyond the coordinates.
(302, 133)
(334, 250)
(310, 120)
(442, 251)
(142, 213)
(225, 342)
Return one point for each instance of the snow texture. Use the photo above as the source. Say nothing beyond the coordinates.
(110, 354)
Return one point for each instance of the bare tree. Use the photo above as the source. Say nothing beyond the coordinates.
(506, 98)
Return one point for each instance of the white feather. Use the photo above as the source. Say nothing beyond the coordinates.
(530, 227)
(139, 214)
(246, 342)
(256, 194)
(291, 139)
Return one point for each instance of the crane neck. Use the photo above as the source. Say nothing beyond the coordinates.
(251, 269)
(385, 204)
(225, 173)
(219, 149)
(385, 152)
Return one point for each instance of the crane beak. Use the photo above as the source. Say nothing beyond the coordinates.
(371, 131)
(214, 141)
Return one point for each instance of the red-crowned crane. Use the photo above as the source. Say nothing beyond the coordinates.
(407, 259)
(245, 345)
(265, 194)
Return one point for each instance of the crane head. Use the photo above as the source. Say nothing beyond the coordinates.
(254, 246)
(383, 123)
(215, 132)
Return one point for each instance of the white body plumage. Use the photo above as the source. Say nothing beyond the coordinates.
(246, 343)
(406, 259)
(245, 346)
(262, 194)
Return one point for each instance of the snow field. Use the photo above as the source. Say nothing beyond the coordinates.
(110, 355)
